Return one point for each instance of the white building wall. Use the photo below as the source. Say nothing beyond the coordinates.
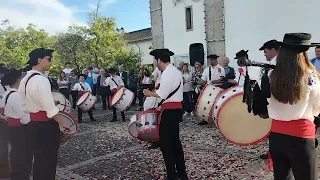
(176, 37)
(248, 25)
(143, 47)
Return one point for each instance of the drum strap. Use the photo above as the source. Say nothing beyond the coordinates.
(81, 86)
(114, 82)
(210, 74)
(5, 89)
(25, 86)
(8, 97)
(171, 94)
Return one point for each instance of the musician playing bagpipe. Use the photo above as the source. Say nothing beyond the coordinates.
(171, 93)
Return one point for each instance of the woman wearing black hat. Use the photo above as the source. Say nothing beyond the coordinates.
(295, 100)
(19, 131)
(36, 97)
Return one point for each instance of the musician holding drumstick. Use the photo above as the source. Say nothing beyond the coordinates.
(36, 98)
(213, 74)
(19, 130)
(294, 101)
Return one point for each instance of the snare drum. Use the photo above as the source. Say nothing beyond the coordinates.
(87, 101)
(71, 122)
(122, 99)
(133, 128)
(235, 123)
(61, 102)
(204, 106)
(147, 125)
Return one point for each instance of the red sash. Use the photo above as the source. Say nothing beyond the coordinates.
(14, 122)
(39, 116)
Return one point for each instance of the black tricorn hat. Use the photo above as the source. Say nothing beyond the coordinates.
(161, 52)
(112, 70)
(241, 53)
(270, 44)
(38, 53)
(298, 41)
(212, 56)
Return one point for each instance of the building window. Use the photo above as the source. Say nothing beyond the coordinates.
(189, 21)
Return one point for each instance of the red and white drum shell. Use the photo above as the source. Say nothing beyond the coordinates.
(61, 102)
(87, 101)
(147, 125)
(204, 106)
(133, 128)
(235, 123)
(70, 121)
(122, 99)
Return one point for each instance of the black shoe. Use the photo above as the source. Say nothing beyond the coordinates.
(104, 108)
(154, 146)
(92, 119)
(264, 156)
(79, 120)
(202, 123)
(123, 119)
(113, 119)
(74, 107)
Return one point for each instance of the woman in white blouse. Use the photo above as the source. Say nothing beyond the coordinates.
(64, 84)
(187, 90)
(295, 100)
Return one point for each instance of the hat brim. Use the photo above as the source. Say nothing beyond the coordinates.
(298, 45)
(262, 48)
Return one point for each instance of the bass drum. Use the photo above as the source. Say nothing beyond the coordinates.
(235, 123)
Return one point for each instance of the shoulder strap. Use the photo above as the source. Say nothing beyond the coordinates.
(82, 86)
(8, 97)
(25, 86)
(4, 87)
(114, 81)
(209, 73)
(171, 94)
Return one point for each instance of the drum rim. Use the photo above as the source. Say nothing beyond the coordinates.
(88, 94)
(65, 99)
(112, 104)
(149, 111)
(200, 96)
(135, 137)
(150, 130)
(74, 121)
(132, 98)
(217, 123)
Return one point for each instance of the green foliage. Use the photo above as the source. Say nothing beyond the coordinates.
(99, 42)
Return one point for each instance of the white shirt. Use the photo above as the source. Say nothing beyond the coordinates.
(307, 108)
(78, 87)
(146, 80)
(215, 75)
(113, 85)
(67, 70)
(156, 76)
(171, 77)
(13, 108)
(37, 96)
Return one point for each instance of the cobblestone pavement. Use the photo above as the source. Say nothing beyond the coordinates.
(105, 150)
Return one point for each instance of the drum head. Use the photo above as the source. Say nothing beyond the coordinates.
(59, 100)
(240, 127)
(133, 129)
(83, 98)
(70, 121)
(117, 96)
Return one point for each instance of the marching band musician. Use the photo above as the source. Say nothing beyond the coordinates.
(19, 131)
(171, 93)
(36, 97)
(294, 101)
(82, 87)
(270, 49)
(115, 82)
(212, 75)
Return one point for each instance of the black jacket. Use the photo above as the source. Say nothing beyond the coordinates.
(124, 78)
(103, 90)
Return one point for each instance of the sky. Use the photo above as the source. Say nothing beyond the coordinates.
(55, 16)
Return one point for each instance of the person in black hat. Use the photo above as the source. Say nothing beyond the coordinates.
(115, 82)
(213, 74)
(36, 97)
(295, 97)
(271, 49)
(171, 93)
(19, 130)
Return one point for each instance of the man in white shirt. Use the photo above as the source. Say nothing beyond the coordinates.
(213, 75)
(82, 87)
(68, 68)
(36, 98)
(115, 83)
(171, 91)
(95, 74)
(19, 131)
